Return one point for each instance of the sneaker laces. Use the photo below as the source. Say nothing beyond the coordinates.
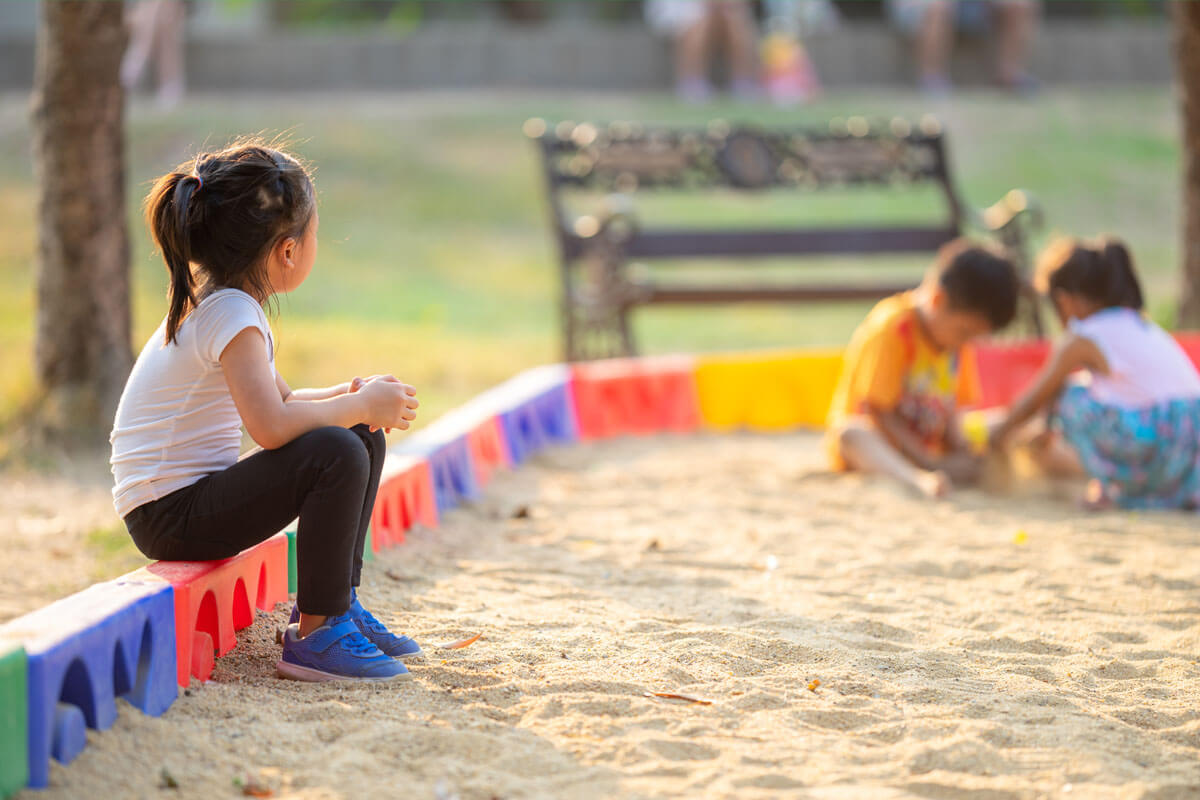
(355, 642)
(368, 619)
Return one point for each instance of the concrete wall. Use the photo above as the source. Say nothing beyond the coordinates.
(576, 56)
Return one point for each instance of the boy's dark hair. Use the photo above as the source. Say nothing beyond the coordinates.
(216, 218)
(979, 279)
(1100, 270)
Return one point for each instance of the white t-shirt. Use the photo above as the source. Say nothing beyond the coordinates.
(176, 421)
(1146, 366)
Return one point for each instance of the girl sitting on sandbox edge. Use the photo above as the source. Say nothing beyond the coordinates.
(236, 228)
(1130, 418)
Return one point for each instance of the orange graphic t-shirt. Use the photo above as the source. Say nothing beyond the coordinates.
(891, 365)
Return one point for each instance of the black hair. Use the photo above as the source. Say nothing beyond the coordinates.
(979, 279)
(1100, 270)
(215, 219)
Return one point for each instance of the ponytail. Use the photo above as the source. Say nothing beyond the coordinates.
(1124, 289)
(1100, 270)
(167, 216)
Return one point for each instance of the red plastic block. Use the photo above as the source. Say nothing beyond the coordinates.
(213, 599)
(635, 396)
(1005, 370)
(405, 498)
(1190, 342)
(488, 450)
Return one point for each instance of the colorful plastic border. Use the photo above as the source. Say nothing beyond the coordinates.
(436, 469)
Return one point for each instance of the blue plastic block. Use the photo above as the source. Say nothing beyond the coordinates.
(84, 651)
(537, 422)
(453, 474)
(14, 727)
(445, 446)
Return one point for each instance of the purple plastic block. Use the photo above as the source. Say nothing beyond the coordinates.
(539, 421)
(84, 651)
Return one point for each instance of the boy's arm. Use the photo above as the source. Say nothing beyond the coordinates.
(888, 422)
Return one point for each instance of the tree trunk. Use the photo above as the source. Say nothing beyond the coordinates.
(82, 347)
(1187, 54)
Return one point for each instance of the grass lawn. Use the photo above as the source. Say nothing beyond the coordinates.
(436, 261)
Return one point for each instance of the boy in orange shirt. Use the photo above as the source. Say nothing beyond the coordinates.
(906, 371)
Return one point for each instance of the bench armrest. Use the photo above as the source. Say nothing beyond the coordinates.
(616, 219)
(1017, 206)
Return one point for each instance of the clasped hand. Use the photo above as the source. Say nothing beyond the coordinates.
(391, 403)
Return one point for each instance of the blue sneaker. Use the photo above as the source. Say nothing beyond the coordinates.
(401, 647)
(395, 646)
(335, 651)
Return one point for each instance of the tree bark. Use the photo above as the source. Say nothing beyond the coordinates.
(82, 349)
(1187, 54)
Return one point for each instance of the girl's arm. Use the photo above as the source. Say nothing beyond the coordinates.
(289, 394)
(1075, 352)
(258, 393)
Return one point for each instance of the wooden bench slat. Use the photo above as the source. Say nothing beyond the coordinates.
(692, 295)
(751, 243)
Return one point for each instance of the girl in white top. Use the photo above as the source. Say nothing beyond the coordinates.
(236, 227)
(1132, 415)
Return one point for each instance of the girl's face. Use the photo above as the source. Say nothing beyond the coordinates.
(294, 259)
(1069, 306)
(307, 254)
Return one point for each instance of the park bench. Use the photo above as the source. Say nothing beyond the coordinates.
(621, 161)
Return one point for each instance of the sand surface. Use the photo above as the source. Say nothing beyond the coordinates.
(984, 647)
(47, 527)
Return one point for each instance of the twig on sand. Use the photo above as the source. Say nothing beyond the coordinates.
(674, 696)
(461, 643)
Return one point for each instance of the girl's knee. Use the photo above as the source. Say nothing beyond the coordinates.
(336, 444)
(375, 440)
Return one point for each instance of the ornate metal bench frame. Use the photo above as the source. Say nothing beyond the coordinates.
(598, 291)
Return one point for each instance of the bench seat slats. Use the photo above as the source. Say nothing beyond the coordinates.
(691, 243)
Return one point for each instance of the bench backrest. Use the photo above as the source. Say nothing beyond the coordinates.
(628, 157)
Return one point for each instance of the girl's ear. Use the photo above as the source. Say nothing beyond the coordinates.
(286, 250)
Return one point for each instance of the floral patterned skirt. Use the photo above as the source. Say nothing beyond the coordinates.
(1145, 457)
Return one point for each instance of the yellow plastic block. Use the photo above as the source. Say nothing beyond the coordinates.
(767, 391)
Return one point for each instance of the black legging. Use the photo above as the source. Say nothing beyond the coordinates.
(328, 477)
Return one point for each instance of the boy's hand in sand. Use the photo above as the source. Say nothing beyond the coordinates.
(962, 468)
(391, 403)
(933, 483)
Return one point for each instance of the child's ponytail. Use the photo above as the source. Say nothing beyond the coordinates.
(1100, 270)
(1124, 288)
(215, 219)
(167, 208)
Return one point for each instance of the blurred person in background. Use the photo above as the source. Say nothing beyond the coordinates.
(156, 31)
(932, 24)
(694, 27)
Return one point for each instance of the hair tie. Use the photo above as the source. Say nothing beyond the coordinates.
(199, 182)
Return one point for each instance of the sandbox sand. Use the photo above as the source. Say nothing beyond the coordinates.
(981, 647)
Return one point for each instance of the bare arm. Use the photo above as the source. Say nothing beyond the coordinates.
(902, 438)
(288, 393)
(1075, 352)
(274, 416)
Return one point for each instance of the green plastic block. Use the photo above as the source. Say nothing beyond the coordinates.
(291, 561)
(368, 555)
(14, 714)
